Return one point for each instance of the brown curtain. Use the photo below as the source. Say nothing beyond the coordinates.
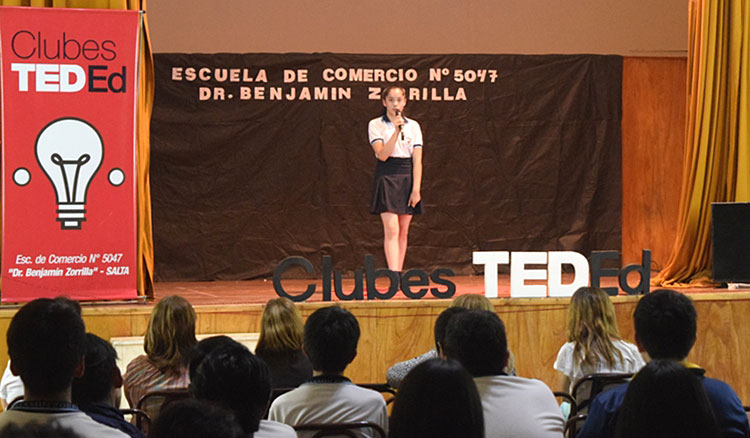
(717, 141)
(145, 241)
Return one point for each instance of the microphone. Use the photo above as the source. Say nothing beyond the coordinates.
(400, 127)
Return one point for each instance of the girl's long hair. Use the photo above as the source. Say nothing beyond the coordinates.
(592, 326)
(171, 334)
(281, 330)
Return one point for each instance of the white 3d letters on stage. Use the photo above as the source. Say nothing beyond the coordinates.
(490, 260)
(519, 272)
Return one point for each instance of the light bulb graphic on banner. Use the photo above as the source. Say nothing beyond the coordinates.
(70, 152)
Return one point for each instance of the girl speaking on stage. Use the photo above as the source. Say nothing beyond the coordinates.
(397, 142)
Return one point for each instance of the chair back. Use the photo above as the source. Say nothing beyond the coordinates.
(570, 400)
(154, 401)
(573, 425)
(142, 420)
(588, 387)
(341, 429)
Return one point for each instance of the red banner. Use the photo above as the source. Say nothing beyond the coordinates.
(69, 80)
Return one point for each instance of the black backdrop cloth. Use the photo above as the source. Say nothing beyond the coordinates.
(529, 159)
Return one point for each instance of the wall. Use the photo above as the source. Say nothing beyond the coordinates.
(631, 28)
(653, 135)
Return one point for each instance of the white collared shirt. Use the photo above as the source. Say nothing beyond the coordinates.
(380, 128)
(516, 407)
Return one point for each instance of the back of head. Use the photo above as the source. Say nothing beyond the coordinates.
(441, 325)
(171, 333)
(476, 338)
(665, 324)
(96, 384)
(281, 328)
(195, 419)
(238, 380)
(666, 400)
(438, 398)
(204, 347)
(46, 343)
(473, 302)
(591, 326)
(331, 337)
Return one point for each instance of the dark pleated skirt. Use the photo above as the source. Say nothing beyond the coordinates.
(392, 187)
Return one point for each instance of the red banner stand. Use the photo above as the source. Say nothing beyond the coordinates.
(69, 87)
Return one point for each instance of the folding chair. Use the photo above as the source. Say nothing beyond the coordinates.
(588, 387)
(154, 401)
(572, 425)
(571, 401)
(142, 420)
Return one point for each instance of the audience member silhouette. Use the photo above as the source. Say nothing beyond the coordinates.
(97, 393)
(666, 400)
(169, 340)
(331, 338)
(513, 406)
(594, 343)
(280, 344)
(46, 344)
(192, 418)
(233, 377)
(437, 399)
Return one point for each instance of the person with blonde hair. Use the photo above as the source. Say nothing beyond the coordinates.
(168, 343)
(280, 344)
(473, 302)
(594, 343)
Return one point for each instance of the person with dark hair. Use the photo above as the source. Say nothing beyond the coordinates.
(513, 406)
(331, 337)
(204, 347)
(97, 393)
(192, 418)
(396, 374)
(665, 328)
(666, 400)
(47, 344)
(280, 344)
(169, 340)
(437, 399)
(397, 143)
(238, 380)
